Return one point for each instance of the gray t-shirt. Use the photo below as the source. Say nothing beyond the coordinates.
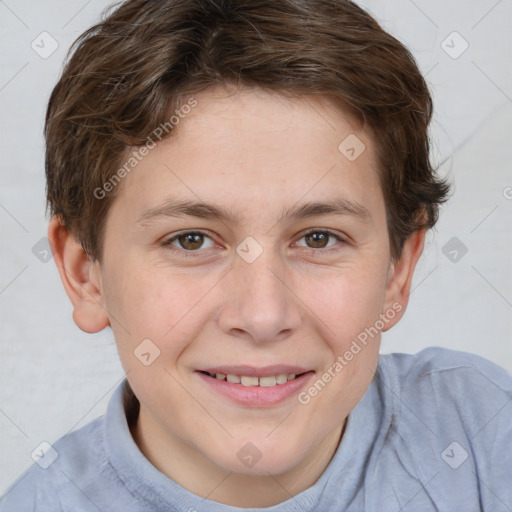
(433, 432)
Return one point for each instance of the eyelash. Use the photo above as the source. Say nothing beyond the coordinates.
(197, 252)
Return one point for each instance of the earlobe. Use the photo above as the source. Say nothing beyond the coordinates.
(80, 277)
(400, 276)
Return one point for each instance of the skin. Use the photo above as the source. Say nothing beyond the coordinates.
(256, 153)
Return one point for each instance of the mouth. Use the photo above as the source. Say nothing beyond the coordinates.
(254, 381)
(253, 387)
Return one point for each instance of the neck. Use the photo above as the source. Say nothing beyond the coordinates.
(199, 475)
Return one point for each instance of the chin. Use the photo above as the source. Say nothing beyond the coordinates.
(250, 459)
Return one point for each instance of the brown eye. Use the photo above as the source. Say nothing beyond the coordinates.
(317, 239)
(321, 240)
(190, 241)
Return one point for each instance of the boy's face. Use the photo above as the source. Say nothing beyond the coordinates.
(251, 292)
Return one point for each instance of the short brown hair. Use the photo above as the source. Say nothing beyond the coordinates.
(127, 73)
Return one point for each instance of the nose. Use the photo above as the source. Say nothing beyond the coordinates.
(259, 301)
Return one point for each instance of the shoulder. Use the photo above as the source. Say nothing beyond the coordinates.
(450, 424)
(464, 387)
(70, 463)
(438, 358)
(444, 369)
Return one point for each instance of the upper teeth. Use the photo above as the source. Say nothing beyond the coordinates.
(272, 380)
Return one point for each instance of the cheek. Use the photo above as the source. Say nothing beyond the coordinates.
(349, 307)
(347, 302)
(148, 303)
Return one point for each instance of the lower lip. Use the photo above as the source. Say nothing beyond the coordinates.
(257, 396)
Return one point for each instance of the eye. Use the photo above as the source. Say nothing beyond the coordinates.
(320, 239)
(189, 241)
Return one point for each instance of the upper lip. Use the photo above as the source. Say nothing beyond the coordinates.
(251, 371)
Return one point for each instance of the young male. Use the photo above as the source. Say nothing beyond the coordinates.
(240, 189)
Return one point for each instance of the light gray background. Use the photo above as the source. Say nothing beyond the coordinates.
(54, 378)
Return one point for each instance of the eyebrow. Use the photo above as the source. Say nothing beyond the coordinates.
(181, 208)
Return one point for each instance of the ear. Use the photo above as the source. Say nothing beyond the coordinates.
(80, 276)
(400, 276)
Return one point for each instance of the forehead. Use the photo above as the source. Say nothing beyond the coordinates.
(258, 151)
(287, 126)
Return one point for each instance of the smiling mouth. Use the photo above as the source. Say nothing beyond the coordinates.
(254, 381)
